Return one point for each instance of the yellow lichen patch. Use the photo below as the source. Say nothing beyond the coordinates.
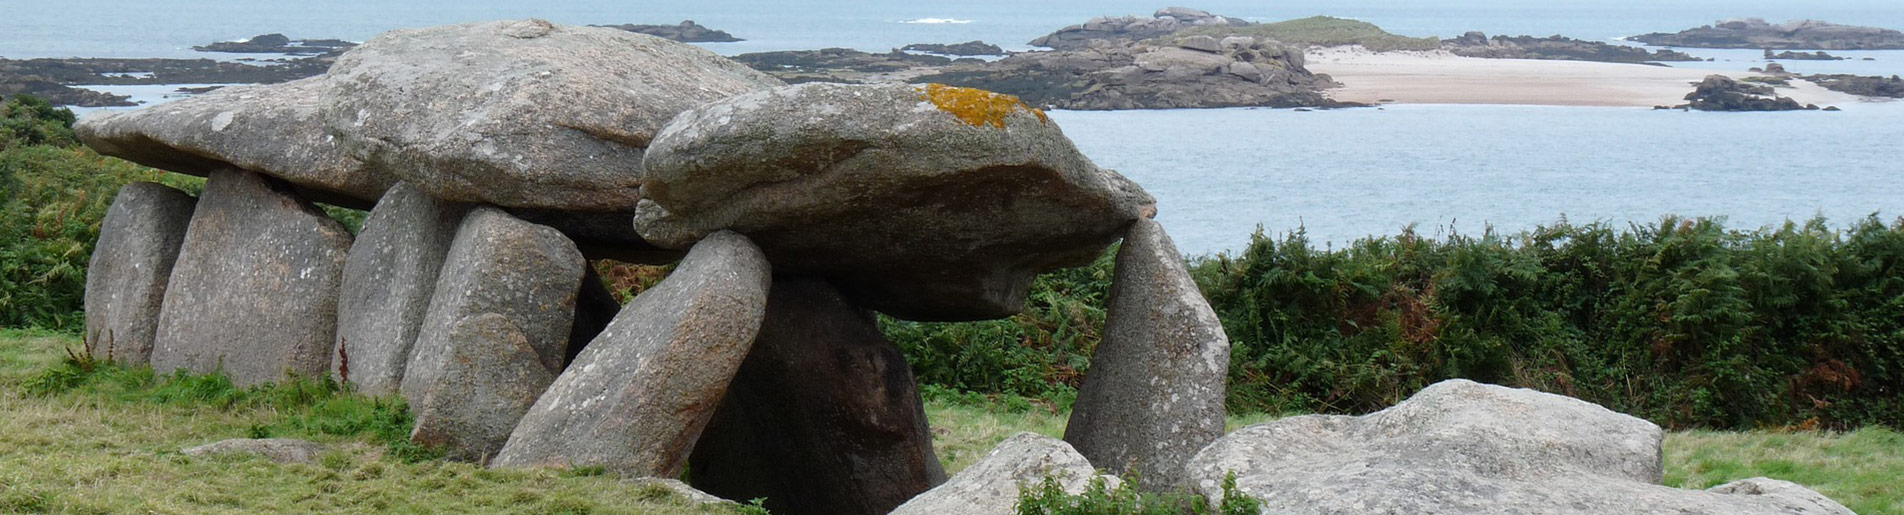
(976, 106)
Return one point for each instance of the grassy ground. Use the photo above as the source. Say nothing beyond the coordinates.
(112, 445)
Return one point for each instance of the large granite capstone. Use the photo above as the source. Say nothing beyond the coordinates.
(925, 202)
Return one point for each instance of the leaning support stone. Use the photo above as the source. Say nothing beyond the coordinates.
(527, 276)
(254, 290)
(1154, 394)
(125, 282)
(638, 396)
(388, 281)
(823, 418)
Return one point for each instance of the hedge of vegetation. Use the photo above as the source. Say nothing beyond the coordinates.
(1683, 322)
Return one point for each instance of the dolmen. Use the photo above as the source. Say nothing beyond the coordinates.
(501, 161)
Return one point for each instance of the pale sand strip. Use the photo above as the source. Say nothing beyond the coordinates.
(1441, 78)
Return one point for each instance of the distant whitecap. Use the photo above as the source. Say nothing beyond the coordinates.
(937, 21)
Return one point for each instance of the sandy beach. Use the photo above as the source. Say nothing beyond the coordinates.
(1437, 77)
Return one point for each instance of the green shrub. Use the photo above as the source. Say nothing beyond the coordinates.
(1039, 353)
(28, 120)
(1316, 31)
(1098, 498)
(49, 222)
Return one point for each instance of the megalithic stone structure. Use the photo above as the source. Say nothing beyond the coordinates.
(637, 397)
(254, 291)
(1154, 394)
(125, 281)
(824, 416)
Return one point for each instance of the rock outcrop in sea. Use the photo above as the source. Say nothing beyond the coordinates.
(1722, 93)
(497, 163)
(1128, 29)
(1794, 35)
(687, 32)
(1477, 44)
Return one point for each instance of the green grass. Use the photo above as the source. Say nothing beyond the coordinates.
(1318, 31)
(108, 440)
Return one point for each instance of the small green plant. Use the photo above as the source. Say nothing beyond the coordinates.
(755, 506)
(1048, 497)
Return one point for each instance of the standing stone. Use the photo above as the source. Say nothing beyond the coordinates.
(388, 281)
(992, 486)
(637, 398)
(254, 290)
(823, 418)
(527, 275)
(125, 281)
(490, 378)
(1154, 394)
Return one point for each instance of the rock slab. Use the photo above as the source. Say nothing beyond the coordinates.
(638, 396)
(521, 113)
(281, 450)
(272, 129)
(921, 201)
(992, 485)
(388, 281)
(527, 276)
(1464, 447)
(125, 280)
(254, 291)
(823, 417)
(1154, 394)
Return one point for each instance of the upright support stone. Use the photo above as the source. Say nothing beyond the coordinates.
(1153, 396)
(638, 396)
(125, 281)
(527, 276)
(823, 418)
(254, 290)
(388, 281)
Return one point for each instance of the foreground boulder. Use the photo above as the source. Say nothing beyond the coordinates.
(523, 113)
(1154, 394)
(1464, 447)
(525, 274)
(638, 396)
(923, 202)
(125, 280)
(254, 290)
(272, 129)
(823, 417)
(389, 279)
(992, 486)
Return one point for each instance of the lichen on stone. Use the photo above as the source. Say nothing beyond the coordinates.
(978, 107)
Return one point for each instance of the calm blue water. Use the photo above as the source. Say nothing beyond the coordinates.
(1218, 174)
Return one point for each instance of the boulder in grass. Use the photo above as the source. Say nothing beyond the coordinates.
(389, 279)
(272, 129)
(638, 396)
(1154, 394)
(521, 113)
(925, 202)
(993, 484)
(125, 280)
(254, 290)
(1464, 447)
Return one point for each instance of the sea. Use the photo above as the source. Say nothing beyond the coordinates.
(1221, 175)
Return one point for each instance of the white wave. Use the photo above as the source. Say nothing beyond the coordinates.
(937, 21)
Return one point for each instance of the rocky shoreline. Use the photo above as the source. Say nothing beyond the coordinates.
(1477, 44)
(1791, 35)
